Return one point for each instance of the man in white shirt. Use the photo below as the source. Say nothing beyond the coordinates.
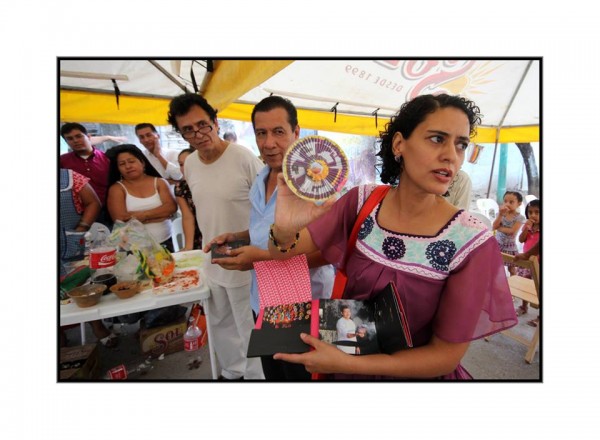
(150, 139)
(346, 330)
(459, 192)
(275, 122)
(219, 175)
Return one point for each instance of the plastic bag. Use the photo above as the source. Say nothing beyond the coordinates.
(128, 268)
(155, 261)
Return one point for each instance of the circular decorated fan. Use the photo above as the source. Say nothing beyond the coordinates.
(315, 168)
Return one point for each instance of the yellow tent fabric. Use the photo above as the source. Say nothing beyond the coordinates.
(102, 108)
(233, 78)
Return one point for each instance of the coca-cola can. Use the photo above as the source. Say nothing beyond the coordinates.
(102, 257)
(118, 373)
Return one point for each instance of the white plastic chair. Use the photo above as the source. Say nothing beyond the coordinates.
(486, 221)
(177, 234)
(488, 207)
(528, 198)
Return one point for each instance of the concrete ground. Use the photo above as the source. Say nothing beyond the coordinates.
(500, 358)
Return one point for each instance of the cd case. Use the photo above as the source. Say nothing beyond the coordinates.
(376, 325)
(220, 250)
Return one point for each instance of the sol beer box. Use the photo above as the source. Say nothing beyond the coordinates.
(165, 339)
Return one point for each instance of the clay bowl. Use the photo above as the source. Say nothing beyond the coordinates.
(88, 295)
(126, 289)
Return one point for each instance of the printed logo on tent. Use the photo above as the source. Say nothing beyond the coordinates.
(455, 77)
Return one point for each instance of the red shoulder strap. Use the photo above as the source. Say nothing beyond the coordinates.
(374, 198)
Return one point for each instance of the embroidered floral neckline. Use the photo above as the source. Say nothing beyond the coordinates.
(441, 231)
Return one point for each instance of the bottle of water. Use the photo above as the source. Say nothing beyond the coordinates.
(191, 344)
(88, 243)
(129, 371)
(191, 338)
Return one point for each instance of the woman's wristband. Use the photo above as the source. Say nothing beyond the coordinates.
(278, 245)
(84, 224)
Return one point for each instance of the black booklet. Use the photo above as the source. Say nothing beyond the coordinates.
(377, 325)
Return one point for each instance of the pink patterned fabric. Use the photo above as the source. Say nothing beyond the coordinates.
(79, 181)
(283, 282)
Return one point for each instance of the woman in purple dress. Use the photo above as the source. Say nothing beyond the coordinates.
(445, 263)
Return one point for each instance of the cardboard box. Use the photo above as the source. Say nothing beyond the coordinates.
(165, 339)
(79, 363)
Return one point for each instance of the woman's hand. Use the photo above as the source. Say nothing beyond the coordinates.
(325, 358)
(292, 213)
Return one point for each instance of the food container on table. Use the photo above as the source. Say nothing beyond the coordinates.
(126, 289)
(88, 295)
(108, 279)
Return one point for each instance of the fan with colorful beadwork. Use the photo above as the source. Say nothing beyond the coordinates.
(315, 168)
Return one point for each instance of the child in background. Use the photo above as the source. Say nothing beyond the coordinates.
(507, 224)
(530, 235)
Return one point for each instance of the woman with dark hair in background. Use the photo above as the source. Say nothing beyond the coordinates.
(445, 263)
(137, 191)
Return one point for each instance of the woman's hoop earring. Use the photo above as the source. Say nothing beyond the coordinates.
(398, 158)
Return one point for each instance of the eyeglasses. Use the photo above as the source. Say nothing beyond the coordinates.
(189, 132)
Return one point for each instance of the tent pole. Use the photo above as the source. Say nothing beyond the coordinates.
(493, 162)
(502, 165)
(168, 75)
(512, 99)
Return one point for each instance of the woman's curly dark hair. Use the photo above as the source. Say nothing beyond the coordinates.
(410, 115)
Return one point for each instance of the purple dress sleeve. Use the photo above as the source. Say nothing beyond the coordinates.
(331, 231)
(476, 300)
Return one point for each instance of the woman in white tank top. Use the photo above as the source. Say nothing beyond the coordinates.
(140, 193)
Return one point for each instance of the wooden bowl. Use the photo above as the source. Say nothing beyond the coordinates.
(88, 295)
(126, 289)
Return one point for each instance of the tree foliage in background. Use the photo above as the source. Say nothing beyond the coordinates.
(533, 176)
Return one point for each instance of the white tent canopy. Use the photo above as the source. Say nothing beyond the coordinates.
(353, 96)
(362, 87)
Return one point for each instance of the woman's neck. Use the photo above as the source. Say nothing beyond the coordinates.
(414, 212)
(412, 203)
(137, 180)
